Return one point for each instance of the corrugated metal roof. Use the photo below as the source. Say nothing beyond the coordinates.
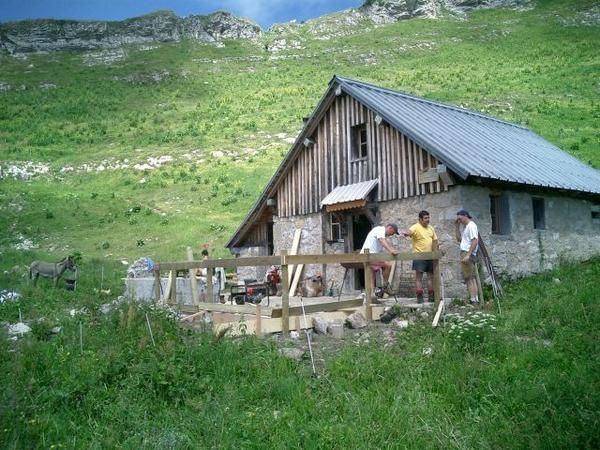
(349, 192)
(476, 145)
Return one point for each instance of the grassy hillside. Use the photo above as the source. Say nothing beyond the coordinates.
(226, 116)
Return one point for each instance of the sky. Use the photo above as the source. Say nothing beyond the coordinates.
(263, 12)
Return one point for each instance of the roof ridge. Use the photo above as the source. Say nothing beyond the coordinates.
(430, 102)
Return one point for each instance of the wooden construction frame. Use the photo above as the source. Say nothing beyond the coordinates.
(285, 318)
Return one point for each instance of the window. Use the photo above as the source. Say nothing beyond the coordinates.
(359, 141)
(500, 214)
(596, 213)
(335, 234)
(539, 215)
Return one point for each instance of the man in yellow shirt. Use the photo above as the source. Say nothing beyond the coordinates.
(422, 235)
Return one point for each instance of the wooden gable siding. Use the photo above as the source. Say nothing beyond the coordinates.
(327, 163)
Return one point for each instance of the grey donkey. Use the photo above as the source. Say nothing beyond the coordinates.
(50, 270)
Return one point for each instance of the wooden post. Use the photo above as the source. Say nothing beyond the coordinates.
(258, 324)
(193, 282)
(285, 295)
(368, 287)
(478, 279)
(173, 290)
(437, 276)
(209, 285)
(157, 285)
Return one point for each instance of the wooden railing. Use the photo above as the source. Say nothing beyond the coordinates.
(284, 261)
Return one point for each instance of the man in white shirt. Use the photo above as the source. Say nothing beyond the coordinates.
(469, 244)
(376, 242)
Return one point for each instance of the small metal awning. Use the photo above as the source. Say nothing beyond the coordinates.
(350, 196)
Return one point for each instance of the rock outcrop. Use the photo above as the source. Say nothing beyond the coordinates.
(384, 11)
(46, 35)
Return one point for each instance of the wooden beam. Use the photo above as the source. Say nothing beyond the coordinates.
(250, 261)
(294, 250)
(218, 307)
(319, 307)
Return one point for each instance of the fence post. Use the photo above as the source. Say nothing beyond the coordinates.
(157, 287)
(209, 284)
(368, 286)
(193, 282)
(173, 291)
(285, 295)
(437, 276)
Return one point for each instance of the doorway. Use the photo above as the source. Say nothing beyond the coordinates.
(361, 225)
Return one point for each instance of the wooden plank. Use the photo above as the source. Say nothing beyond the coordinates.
(294, 250)
(319, 307)
(296, 280)
(404, 171)
(224, 308)
(436, 319)
(192, 274)
(240, 327)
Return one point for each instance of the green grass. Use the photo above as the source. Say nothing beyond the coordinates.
(520, 66)
(100, 383)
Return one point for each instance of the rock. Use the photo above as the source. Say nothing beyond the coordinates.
(292, 353)
(320, 325)
(356, 320)
(55, 330)
(400, 323)
(294, 335)
(336, 330)
(18, 328)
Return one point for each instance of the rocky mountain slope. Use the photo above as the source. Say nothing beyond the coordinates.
(46, 35)
(162, 26)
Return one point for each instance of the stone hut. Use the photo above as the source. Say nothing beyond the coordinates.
(369, 155)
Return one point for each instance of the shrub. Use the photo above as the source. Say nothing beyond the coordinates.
(472, 329)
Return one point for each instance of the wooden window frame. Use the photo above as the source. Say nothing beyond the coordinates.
(500, 214)
(360, 142)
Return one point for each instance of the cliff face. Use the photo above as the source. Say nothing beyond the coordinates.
(393, 10)
(163, 26)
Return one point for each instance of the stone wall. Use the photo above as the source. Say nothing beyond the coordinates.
(569, 235)
(251, 273)
(311, 239)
